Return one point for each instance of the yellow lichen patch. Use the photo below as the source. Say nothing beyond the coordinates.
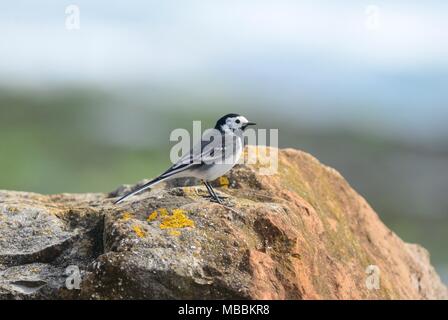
(13, 210)
(152, 216)
(224, 181)
(178, 219)
(126, 216)
(35, 270)
(175, 233)
(138, 231)
(163, 212)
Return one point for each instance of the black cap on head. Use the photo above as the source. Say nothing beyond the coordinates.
(223, 119)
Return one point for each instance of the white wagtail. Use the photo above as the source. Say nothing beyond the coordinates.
(219, 150)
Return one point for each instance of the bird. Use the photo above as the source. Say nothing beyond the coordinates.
(216, 154)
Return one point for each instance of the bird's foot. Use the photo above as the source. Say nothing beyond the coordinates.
(217, 199)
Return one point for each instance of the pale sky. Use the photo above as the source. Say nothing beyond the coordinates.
(171, 38)
(389, 55)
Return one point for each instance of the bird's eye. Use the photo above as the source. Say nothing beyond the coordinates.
(237, 121)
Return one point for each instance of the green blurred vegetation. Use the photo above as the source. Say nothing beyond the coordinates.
(45, 149)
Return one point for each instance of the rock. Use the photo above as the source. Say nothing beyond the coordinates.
(302, 233)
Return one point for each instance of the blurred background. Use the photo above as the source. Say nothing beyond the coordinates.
(89, 93)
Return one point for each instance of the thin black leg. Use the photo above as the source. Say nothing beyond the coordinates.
(208, 189)
(212, 192)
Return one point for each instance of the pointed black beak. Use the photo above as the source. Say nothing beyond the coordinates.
(250, 124)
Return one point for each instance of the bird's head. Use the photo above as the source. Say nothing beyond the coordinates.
(233, 122)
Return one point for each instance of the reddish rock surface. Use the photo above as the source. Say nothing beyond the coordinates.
(302, 233)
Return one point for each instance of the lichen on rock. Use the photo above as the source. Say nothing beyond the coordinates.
(177, 219)
(302, 233)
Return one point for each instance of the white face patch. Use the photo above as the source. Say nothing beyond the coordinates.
(243, 119)
(235, 123)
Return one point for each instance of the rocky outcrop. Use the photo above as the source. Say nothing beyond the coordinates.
(302, 233)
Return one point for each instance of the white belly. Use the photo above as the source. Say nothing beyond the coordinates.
(216, 170)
